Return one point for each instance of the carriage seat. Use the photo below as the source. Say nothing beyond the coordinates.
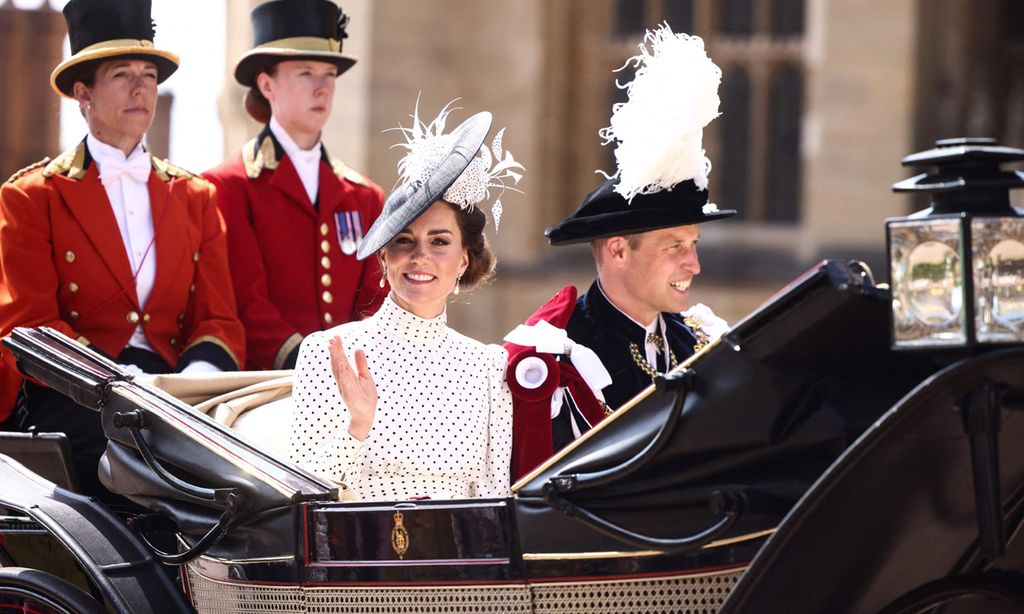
(255, 404)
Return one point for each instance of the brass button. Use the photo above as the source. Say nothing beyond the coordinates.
(73, 316)
(133, 317)
(195, 256)
(325, 262)
(328, 318)
(69, 256)
(72, 287)
(327, 297)
(324, 229)
(325, 279)
(324, 245)
(145, 317)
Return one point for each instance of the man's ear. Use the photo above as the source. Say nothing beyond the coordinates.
(615, 248)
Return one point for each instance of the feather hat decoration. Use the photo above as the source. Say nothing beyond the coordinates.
(456, 166)
(426, 144)
(659, 129)
(662, 175)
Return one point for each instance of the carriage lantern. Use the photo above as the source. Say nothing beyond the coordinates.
(957, 267)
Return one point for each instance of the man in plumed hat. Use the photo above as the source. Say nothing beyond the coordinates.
(643, 227)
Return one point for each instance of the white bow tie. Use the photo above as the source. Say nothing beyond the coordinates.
(112, 170)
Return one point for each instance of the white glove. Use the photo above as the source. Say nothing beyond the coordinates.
(132, 370)
(200, 366)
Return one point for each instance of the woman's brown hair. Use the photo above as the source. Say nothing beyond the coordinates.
(481, 257)
(256, 104)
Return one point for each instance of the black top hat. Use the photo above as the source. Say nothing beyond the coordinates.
(606, 213)
(294, 30)
(107, 29)
(411, 200)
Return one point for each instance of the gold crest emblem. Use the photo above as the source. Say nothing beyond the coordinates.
(399, 536)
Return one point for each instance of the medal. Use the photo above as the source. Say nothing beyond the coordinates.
(350, 231)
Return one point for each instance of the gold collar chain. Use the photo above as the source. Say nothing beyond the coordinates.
(703, 339)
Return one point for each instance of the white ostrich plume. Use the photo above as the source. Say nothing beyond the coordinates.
(427, 146)
(659, 129)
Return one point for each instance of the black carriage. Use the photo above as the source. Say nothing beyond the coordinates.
(799, 463)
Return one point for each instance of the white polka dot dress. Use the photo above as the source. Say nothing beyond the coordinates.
(443, 425)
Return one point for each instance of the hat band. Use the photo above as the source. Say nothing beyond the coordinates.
(304, 43)
(117, 43)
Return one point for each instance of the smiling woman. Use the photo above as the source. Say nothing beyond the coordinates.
(435, 420)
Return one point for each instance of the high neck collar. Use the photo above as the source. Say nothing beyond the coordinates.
(100, 151)
(291, 148)
(409, 326)
(650, 327)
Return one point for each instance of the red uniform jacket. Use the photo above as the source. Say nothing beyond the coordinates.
(63, 265)
(293, 264)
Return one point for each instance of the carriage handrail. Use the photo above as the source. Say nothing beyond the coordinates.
(680, 382)
(730, 503)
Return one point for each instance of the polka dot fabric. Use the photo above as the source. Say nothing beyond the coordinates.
(443, 426)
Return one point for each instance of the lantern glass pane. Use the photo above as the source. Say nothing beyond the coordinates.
(998, 247)
(927, 283)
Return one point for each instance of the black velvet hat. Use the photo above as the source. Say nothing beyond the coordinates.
(605, 213)
(410, 200)
(294, 30)
(105, 29)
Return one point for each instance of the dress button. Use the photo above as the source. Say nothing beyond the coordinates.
(73, 315)
(328, 298)
(133, 317)
(325, 279)
(192, 288)
(174, 341)
(328, 318)
(325, 262)
(145, 317)
(69, 256)
(324, 229)
(72, 287)
(325, 246)
(181, 317)
(195, 256)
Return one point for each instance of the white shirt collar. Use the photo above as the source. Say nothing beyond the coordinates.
(290, 147)
(100, 151)
(650, 328)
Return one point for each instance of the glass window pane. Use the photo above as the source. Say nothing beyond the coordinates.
(788, 17)
(629, 18)
(737, 17)
(729, 186)
(679, 15)
(785, 111)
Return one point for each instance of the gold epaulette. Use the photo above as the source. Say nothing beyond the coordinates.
(342, 170)
(166, 171)
(71, 164)
(24, 171)
(258, 156)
